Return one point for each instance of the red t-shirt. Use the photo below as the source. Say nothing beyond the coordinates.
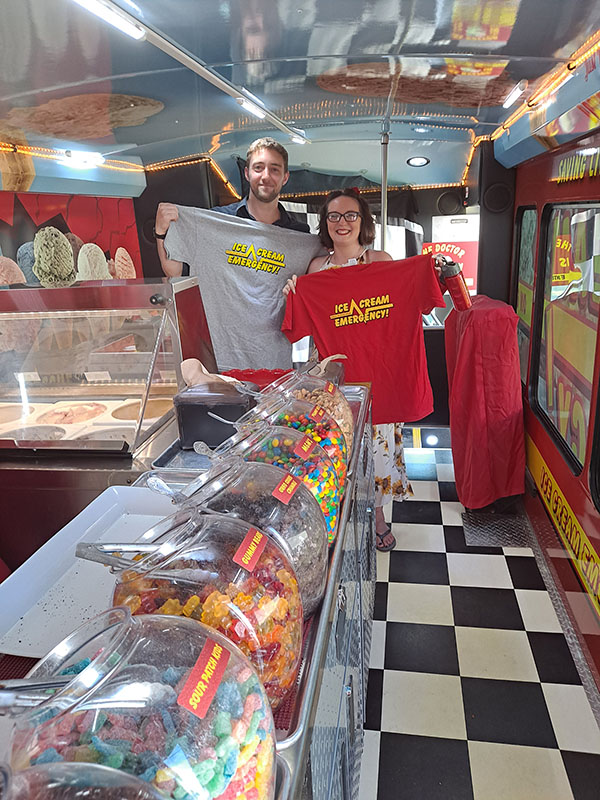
(372, 313)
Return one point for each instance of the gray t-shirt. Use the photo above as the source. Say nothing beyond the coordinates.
(242, 266)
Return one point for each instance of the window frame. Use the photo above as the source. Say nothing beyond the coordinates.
(569, 456)
(514, 289)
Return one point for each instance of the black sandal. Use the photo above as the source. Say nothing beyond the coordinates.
(379, 537)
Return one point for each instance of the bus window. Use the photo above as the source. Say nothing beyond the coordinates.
(527, 230)
(570, 323)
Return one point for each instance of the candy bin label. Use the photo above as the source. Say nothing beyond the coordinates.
(286, 488)
(204, 679)
(317, 413)
(250, 549)
(330, 387)
(304, 447)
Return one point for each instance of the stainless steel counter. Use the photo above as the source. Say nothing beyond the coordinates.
(45, 490)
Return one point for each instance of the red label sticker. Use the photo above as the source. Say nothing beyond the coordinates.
(304, 447)
(317, 413)
(286, 488)
(250, 549)
(330, 387)
(204, 679)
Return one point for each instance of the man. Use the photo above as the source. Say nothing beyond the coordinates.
(267, 173)
(242, 257)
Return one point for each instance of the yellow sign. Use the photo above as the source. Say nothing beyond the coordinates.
(366, 310)
(585, 559)
(577, 166)
(525, 302)
(481, 69)
(246, 255)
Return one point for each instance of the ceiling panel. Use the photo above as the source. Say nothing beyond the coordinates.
(439, 69)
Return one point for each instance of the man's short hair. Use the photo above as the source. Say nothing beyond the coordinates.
(267, 143)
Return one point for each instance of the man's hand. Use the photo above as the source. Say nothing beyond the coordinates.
(165, 215)
(290, 286)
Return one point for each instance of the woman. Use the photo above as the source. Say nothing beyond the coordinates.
(346, 229)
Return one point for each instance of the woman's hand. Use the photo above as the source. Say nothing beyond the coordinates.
(290, 286)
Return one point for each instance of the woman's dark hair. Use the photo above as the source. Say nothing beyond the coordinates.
(367, 225)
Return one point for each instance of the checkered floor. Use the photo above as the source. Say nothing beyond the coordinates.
(473, 694)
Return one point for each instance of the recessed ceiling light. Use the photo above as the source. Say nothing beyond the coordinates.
(431, 440)
(80, 159)
(115, 16)
(417, 161)
(298, 136)
(252, 108)
(515, 93)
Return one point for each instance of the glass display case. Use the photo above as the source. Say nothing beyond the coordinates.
(94, 367)
(86, 380)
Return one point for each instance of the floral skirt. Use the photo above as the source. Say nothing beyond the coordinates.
(391, 482)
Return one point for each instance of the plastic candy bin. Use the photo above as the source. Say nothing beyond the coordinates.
(163, 698)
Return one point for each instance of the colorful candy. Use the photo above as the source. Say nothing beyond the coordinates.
(76, 781)
(322, 429)
(245, 491)
(259, 608)
(142, 713)
(282, 448)
(334, 403)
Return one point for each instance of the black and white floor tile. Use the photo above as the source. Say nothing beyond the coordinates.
(473, 693)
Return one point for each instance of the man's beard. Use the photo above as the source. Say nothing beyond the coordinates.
(266, 198)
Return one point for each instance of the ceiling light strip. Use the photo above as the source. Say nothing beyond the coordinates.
(223, 177)
(474, 145)
(420, 187)
(187, 161)
(363, 190)
(58, 155)
(551, 83)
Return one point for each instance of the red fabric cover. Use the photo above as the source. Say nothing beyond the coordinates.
(4, 570)
(486, 409)
(372, 314)
(261, 377)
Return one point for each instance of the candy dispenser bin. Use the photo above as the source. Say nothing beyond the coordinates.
(247, 490)
(220, 571)
(311, 420)
(74, 781)
(165, 699)
(318, 392)
(300, 456)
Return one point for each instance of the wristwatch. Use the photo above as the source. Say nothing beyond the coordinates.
(158, 235)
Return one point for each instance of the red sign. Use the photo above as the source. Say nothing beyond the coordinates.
(204, 679)
(305, 447)
(286, 489)
(317, 413)
(250, 549)
(462, 253)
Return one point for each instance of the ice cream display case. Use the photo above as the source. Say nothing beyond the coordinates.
(82, 380)
(87, 379)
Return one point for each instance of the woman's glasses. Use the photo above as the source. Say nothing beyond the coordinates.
(349, 216)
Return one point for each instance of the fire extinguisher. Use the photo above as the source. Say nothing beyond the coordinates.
(454, 281)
